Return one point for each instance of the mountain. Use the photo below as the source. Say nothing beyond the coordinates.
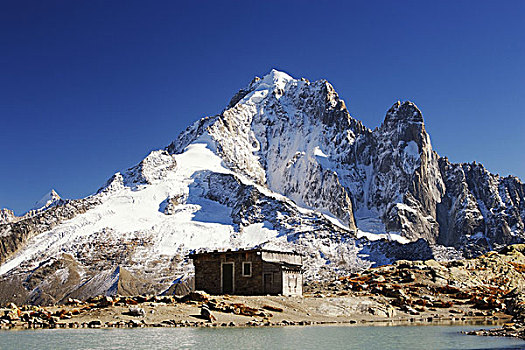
(284, 166)
(48, 200)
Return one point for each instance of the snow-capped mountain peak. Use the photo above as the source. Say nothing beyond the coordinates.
(50, 199)
(274, 80)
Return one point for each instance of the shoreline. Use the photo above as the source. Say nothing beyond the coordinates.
(477, 321)
(237, 311)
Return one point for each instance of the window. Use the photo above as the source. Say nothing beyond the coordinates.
(247, 269)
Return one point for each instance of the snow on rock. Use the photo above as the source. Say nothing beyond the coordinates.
(50, 199)
(7, 216)
(220, 210)
(284, 166)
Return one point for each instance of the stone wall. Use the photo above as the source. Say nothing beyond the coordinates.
(208, 273)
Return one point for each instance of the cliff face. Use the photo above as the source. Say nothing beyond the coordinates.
(480, 210)
(283, 166)
(275, 135)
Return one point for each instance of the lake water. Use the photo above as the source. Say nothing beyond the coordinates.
(326, 337)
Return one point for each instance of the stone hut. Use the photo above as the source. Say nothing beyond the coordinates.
(249, 272)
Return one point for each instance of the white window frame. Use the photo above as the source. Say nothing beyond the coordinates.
(249, 263)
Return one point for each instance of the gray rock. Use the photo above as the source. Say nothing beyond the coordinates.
(136, 311)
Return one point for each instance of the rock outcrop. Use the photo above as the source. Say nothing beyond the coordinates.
(480, 210)
(7, 216)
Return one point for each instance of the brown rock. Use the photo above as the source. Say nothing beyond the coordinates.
(272, 308)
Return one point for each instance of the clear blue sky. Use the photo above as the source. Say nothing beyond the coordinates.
(88, 88)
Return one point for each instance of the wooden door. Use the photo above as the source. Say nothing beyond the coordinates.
(268, 281)
(227, 278)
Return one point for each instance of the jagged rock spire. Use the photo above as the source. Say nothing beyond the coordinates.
(49, 199)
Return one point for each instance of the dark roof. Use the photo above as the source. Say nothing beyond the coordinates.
(214, 252)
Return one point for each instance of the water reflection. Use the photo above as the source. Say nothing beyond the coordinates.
(332, 337)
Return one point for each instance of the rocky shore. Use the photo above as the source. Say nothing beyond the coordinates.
(485, 290)
(515, 328)
(198, 309)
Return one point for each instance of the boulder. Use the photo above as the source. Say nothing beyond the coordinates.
(140, 299)
(134, 323)
(197, 295)
(104, 301)
(95, 324)
(378, 279)
(136, 311)
(12, 315)
(272, 308)
(207, 315)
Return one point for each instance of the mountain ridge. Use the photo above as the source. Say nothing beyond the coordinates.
(286, 166)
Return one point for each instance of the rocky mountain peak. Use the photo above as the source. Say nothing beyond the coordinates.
(48, 200)
(404, 123)
(6, 216)
(317, 99)
(405, 110)
(272, 84)
(274, 79)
